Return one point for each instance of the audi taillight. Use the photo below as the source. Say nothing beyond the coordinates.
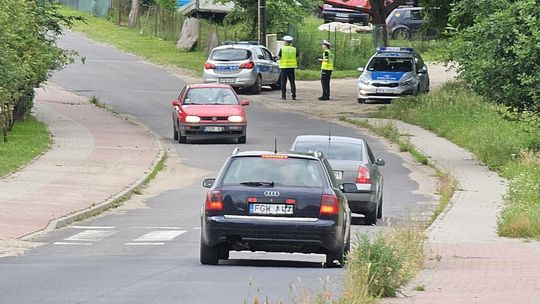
(329, 204)
(247, 65)
(209, 66)
(363, 175)
(213, 200)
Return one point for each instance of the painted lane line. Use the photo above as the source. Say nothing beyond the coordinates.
(93, 227)
(159, 236)
(197, 228)
(90, 236)
(144, 244)
(67, 243)
(171, 228)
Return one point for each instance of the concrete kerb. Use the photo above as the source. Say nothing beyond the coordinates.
(112, 202)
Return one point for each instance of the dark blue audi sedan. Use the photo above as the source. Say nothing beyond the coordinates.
(276, 202)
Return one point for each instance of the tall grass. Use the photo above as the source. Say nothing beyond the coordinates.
(27, 140)
(503, 141)
(379, 267)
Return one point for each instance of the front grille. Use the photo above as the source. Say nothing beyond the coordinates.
(386, 84)
(215, 118)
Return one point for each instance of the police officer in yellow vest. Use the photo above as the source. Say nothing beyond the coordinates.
(287, 55)
(327, 66)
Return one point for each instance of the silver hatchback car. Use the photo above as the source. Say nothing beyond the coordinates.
(354, 164)
(392, 72)
(242, 65)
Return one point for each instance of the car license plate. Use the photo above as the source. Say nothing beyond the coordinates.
(271, 209)
(383, 91)
(226, 68)
(342, 15)
(214, 129)
(227, 80)
(338, 174)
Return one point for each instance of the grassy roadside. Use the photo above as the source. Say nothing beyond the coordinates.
(27, 140)
(153, 49)
(504, 142)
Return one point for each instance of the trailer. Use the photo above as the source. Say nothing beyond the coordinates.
(205, 9)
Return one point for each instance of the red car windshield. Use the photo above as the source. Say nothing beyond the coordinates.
(210, 96)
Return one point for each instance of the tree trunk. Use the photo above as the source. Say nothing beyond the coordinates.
(134, 13)
(378, 18)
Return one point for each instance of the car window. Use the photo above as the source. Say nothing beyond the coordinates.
(370, 155)
(419, 62)
(267, 54)
(406, 15)
(259, 53)
(338, 151)
(288, 172)
(390, 64)
(416, 15)
(230, 54)
(216, 96)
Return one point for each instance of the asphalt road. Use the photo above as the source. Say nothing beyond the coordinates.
(147, 251)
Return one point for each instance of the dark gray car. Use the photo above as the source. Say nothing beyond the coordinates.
(353, 162)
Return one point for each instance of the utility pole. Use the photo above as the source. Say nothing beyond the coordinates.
(262, 22)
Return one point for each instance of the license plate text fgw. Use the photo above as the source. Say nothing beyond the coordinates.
(271, 209)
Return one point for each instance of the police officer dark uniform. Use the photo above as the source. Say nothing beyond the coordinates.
(287, 64)
(327, 66)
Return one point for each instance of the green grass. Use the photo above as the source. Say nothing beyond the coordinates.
(501, 140)
(27, 140)
(153, 49)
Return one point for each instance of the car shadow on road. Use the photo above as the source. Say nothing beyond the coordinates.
(271, 263)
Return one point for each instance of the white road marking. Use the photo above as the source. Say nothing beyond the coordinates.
(164, 227)
(145, 244)
(70, 243)
(197, 228)
(92, 227)
(159, 236)
(90, 236)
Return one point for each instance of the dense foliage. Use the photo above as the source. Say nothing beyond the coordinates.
(497, 45)
(28, 30)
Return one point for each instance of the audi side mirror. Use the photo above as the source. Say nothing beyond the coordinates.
(176, 103)
(380, 162)
(348, 188)
(208, 182)
(244, 102)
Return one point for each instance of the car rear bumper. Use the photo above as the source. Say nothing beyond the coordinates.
(307, 235)
(362, 202)
(203, 131)
(242, 79)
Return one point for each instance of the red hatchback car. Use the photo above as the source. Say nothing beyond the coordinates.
(210, 111)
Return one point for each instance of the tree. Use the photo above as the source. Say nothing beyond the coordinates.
(134, 13)
(498, 53)
(280, 14)
(380, 9)
(436, 14)
(28, 54)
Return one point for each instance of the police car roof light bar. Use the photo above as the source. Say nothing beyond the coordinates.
(230, 42)
(395, 49)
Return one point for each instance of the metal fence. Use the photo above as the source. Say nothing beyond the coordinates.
(97, 7)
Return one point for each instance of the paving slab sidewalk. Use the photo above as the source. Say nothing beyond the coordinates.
(95, 158)
(467, 261)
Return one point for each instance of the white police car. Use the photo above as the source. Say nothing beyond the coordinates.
(392, 72)
(243, 65)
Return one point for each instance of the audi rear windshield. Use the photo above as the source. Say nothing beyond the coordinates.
(230, 55)
(285, 172)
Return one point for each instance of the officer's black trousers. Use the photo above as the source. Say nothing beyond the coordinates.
(288, 74)
(325, 82)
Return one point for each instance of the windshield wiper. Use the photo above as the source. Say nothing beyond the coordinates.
(258, 184)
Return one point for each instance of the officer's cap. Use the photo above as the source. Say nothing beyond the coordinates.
(288, 38)
(325, 42)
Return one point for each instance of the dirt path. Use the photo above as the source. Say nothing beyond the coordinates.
(343, 94)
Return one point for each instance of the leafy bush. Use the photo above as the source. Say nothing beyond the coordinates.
(498, 50)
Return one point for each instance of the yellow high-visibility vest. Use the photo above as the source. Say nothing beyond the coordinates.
(288, 57)
(329, 64)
